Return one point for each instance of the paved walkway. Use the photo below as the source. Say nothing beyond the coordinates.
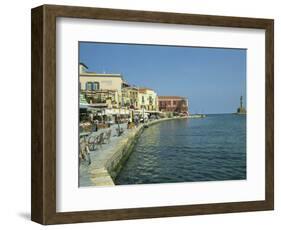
(96, 173)
(107, 158)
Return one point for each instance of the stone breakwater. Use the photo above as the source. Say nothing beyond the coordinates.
(108, 162)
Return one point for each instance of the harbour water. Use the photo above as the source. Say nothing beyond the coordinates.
(207, 149)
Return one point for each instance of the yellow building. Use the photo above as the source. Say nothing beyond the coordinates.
(101, 87)
(147, 99)
(130, 97)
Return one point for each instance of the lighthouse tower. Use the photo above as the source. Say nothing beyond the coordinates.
(241, 110)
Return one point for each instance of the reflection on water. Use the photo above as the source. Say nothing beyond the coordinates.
(209, 149)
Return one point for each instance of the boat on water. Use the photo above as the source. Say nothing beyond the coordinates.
(196, 116)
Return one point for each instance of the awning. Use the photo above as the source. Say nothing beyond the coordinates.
(83, 106)
(98, 105)
(147, 111)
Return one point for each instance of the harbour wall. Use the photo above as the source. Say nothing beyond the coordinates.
(114, 160)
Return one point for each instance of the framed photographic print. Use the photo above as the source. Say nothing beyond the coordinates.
(140, 114)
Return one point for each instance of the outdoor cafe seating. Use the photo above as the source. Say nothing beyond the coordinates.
(119, 131)
(99, 140)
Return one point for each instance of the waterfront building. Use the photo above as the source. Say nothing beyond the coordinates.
(130, 97)
(147, 99)
(174, 104)
(101, 88)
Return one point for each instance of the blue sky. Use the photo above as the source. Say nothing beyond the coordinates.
(213, 79)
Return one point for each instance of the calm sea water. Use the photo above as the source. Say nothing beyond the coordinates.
(208, 149)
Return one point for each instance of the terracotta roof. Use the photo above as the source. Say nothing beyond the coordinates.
(170, 97)
(144, 89)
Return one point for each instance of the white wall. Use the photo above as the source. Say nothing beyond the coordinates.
(15, 113)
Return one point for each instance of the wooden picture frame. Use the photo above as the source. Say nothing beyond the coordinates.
(43, 208)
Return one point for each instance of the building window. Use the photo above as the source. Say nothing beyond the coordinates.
(150, 100)
(96, 86)
(88, 85)
(92, 86)
(142, 99)
(174, 103)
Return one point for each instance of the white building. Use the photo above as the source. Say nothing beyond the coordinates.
(147, 99)
(104, 86)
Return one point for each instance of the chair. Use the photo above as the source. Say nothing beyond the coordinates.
(119, 131)
(92, 141)
(100, 139)
(81, 148)
(108, 135)
(84, 152)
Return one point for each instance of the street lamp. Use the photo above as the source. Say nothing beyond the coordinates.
(143, 113)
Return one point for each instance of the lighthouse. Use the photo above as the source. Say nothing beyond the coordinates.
(241, 110)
